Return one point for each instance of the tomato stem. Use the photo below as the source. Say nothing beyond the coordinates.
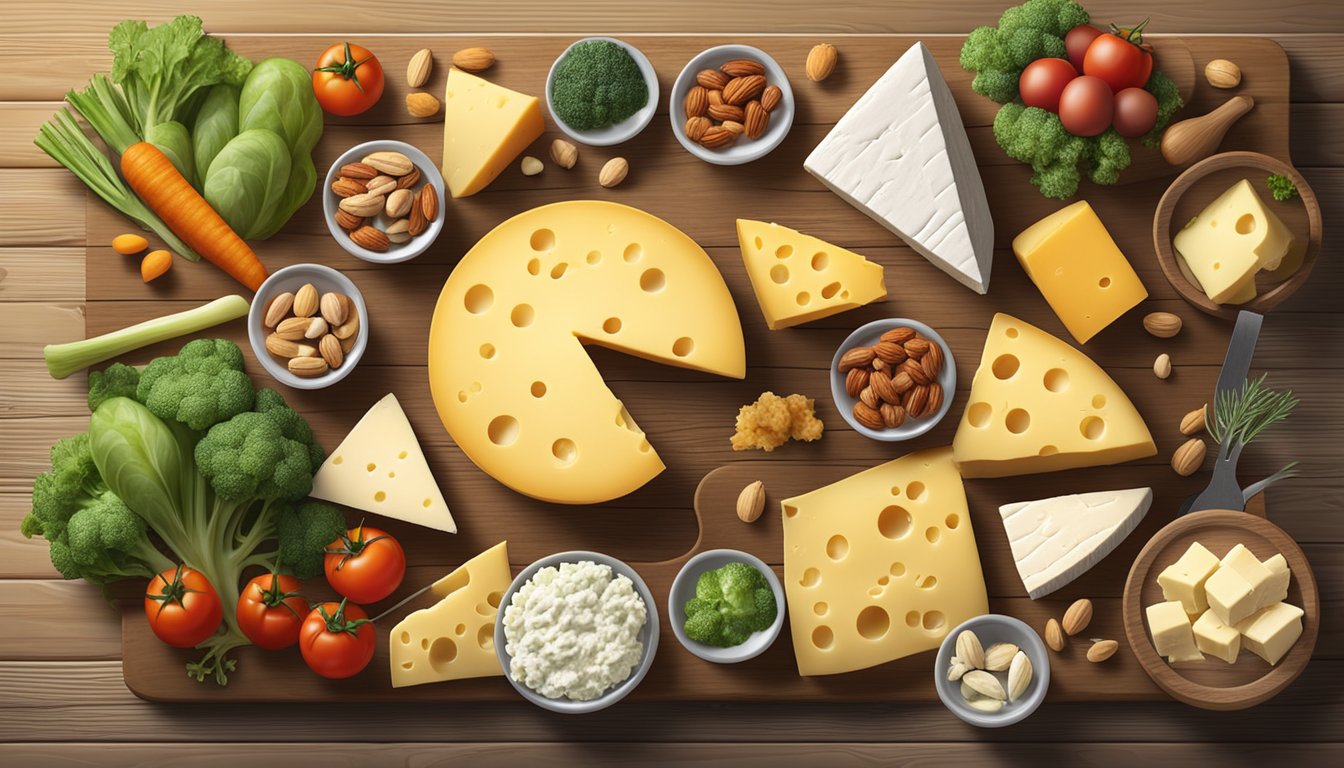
(352, 547)
(1132, 34)
(276, 598)
(337, 623)
(348, 68)
(174, 591)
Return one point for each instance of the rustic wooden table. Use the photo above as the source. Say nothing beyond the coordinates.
(61, 689)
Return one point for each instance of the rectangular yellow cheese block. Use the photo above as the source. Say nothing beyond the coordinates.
(1215, 638)
(1263, 583)
(1230, 595)
(798, 278)
(454, 639)
(1184, 579)
(880, 565)
(1270, 633)
(1171, 631)
(1234, 237)
(1079, 270)
(485, 127)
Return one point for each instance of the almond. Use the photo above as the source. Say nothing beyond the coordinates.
(715, 96)
(932, 362)
(417, 223)
(1162, 366)
(334, 307)
(1019, 675)
(380, 185)
(916, 372)
(901, 382)
(1054, 636)
(696, 127)
(291, 328)
(711, 79)
(868, 396)
(821, 62)
(317, 328)
(740, 90)
(350, 327)
(855, 381)
(281, 347)
(399, 231)
(348, 221)
(697, 101)
(330, 348)
(916, 347)
(305, 301)
(409, 180)
(308, 367)
(417, 71)
(999, 656)
(892, 415)
(370, 238)
(892, 353)
(421, 104)
(985, 684)
(868, 416)
(736, 128)
(726, 112)
(1077, 617)
(531, 166)
(899, 335)
(881, 384)
(881, 365)
(429, 202)
(398, 204)
(758, 119)
(364, 205)
(742, 68)
(389, 162)
(1193, 422)
(344, 187)
(771, 97)
(855, 357)
(917, 401)
(358, 171)
(347, 345)
(278, 309)
(1163, 325)
(1189, 457)
(1102, 650)
(564, 153)
(751, 502)
(716, 137)
(613, 172)
(935, 402)
(969, 649)
(474, 59)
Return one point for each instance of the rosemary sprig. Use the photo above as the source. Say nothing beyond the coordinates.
(1240, 415)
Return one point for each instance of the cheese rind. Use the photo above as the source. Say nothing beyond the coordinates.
(1171, 632)
(880, 565)
(1216, 638)
(380, 468)
(1056, 540)
(1038, 404)
(798, 278)
(901, 155)
(1184, 579)
(1234, 237)
(1271, 633)
(485, 127)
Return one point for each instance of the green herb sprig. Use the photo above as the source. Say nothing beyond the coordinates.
(1242, 414)
(1281, 187)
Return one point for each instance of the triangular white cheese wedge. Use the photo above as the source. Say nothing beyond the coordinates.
(380, 468)
(1054, 541)
(901, 155)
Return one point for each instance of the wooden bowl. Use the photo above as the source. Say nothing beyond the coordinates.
(1213, 684)
(1204, 181)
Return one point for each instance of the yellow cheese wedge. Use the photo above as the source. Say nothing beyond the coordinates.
(880, 565)
(1084, 277)
(1241, 292)
(799, 278)
(1232, 239)
(1039, 405)
(507, 368)
(454, 639)
(484, 128)
(380, 468)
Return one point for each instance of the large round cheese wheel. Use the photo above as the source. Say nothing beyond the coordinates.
(510, 378)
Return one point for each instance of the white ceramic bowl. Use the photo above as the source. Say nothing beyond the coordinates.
(994, 628)
(867, 335)
(628, 128)
(648, 636)
(395, 253)
(292, 278)
(743, 150)
(683, 589)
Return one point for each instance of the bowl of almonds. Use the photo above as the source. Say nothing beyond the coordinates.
(732, 104)
(384, 201)
(893, 379)
(308, 326)
(992, 671)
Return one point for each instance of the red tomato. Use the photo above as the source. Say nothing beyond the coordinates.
(1043, 81)
(337, 640)
(1121, 58)
(1077, 41)
(182, 607)
(348, 79)
(270, 611)
(1135, 112)
(1086, 106)
(365, 565)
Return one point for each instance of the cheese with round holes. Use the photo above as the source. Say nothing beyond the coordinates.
(485, 127)
(380, 468)
(1234, 237)
(880, 565)
(454, 639)
(1039, 405)
(799, 278)
(507, 369)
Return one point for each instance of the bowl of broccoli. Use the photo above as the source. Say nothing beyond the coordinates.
(726, 606)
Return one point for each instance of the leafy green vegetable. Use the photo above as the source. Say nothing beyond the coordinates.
(1281, 187)
(203, 384)
(1033, 30)
(278, 96)
(216, 124)
(174, 141)
(597, 84)
(730, 603)
(247, 180)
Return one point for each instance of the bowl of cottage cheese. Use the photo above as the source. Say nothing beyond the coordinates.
(578, 632)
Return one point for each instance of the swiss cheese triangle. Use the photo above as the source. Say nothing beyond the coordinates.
(485, 126)
(799, 278)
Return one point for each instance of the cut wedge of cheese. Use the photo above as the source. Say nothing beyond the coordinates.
(1054, 541)
(1039, 405)
(454, 639)
(485, 127)
(799, 278)
(1233, 238)
(507, 368)
(901, 155)
(880, 565)
(380, 468)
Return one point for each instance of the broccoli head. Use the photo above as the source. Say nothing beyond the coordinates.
(1037, 137)
(304, 533)
(250, 457)
(117, 380)
(730, 604)
(202, 385)
(1106, 157)
(1027, 32)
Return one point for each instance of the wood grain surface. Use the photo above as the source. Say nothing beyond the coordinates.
(61, 683)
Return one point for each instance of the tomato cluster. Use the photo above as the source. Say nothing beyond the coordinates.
(1114, 66)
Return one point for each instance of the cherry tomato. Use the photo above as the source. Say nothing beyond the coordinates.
(365, 564)
(1043, 81)
(270, 611)
(1135, 112)
(182, 607)
(1086, 106)
(348, 79)
(337, 640)
(1121, 58)
(1077, 41)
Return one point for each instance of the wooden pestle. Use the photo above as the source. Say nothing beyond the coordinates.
(1198, 137)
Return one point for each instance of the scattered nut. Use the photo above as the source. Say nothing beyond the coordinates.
(1077, 617)
(1102, 650)
(751, 502)
(1188, 458)
(421, 104)
(531, 166)
(1222, 73)
(417, 71)
(1162, 366)
(1163, 325)
(474, 59)
(821, 62)
(1054, 636)
(1193, 422)
(564, 154)
(613, 172)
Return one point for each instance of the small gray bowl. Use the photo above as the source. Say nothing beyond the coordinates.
(994, 628)
(396, 252)
(867, 335)
(683, 589)
(648, 635)
(628, 128)
(743, 150)
(292, 278)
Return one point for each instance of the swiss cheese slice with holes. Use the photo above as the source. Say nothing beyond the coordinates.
(1037, 404)
(380, 468)
(507, 368)
(454, 639)
(799, 278)
(880, 565)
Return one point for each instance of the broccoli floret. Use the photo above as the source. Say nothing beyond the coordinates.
(291, 422)
(730, 604)
(1027, 32)
(1037, 137)
(597, 84)
(1107, 156)
(117, 380)
(1281, 187)
(304, 533)
(1168, 101)
(200, 386)
(249, 457)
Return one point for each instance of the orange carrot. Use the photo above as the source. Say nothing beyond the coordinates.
(155, 264)
(152, 175)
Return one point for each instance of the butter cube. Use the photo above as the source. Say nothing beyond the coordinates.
(1277, 587)
(1230, 595)
(1184, 579)
(1172, 635)
(1270, 633)
(1215, 638)
(1245, 563)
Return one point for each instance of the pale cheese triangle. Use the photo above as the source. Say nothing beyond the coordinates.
(799, 278)
(485, 126)
(380, 468)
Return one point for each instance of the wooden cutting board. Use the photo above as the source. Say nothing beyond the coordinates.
(689, 416)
